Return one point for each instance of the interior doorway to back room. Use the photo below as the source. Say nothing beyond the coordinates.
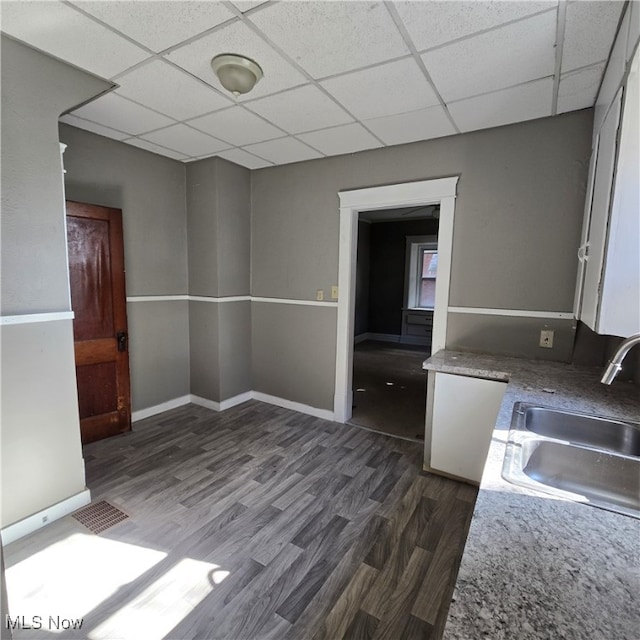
(396, 270)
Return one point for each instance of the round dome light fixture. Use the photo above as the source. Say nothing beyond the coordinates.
(237, 74)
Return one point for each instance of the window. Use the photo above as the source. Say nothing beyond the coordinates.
(428, 266)
(422, 267)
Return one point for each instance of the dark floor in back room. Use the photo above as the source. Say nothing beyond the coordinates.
(389, 388)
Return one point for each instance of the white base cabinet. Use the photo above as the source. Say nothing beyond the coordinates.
(463, 417)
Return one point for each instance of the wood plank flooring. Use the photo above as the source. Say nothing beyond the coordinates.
(319, 531)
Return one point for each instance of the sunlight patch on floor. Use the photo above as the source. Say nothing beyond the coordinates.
(164, 604)
(71, 577)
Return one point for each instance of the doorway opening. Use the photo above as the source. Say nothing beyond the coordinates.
(396, 269)
(440, 193)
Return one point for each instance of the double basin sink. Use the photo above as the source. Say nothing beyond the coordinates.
(575, 456)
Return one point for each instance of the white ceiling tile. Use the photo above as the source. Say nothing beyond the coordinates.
(74, 121)
(410, 127)
(237, 126)
(160, 85)
(283, 151)
(159, 24)
(67, 34)
(237, 38)
(119, 113)
(589, 32)
(433, 23)
(347, 138)
(394, 87)
(185, 140)
(302, 109)
(578, 89)
(498, 59)
(154, 148)
(244, 159)
(331, 37)
(516, 104)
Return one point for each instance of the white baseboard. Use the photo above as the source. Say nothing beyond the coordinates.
(325, 414)
(204, 402)
(160, 408)
(236, 400)
(232, 402)
(46, 516)
(390, 337)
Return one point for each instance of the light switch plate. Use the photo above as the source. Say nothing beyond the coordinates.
(320, 294)
(334, 292)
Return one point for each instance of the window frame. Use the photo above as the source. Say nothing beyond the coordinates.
(415, 247)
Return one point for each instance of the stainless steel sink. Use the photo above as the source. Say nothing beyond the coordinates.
(580, 457)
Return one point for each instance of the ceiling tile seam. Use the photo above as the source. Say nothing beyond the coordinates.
(135, 67)
(255, 155)
(395, 16)
(88, 121)
(144, 106)
(307, 75)
(199, 79)
(157, 144)
(623, 13)
(198, 36)
(482, 32)
(586, 67)
(560, 31)
(367, 67)
(107, 26)
(512, 86)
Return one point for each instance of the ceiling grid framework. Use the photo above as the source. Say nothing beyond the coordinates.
(339, 77)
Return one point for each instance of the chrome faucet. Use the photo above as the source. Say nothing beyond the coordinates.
(615, 364)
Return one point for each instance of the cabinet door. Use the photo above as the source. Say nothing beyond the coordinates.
(600, 203)
(464, 416)
(620, 296)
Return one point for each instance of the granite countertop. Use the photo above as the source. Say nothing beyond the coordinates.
(535, 566)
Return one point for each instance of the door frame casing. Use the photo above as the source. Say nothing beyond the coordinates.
(440, 191)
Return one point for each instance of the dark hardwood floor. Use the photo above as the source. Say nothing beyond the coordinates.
(307, 529)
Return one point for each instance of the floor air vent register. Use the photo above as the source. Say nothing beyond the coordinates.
(99, 516)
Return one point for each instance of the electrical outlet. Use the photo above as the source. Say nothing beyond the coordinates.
(334, 292)
(546, 339)
(320, 294)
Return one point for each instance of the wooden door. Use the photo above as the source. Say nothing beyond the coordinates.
(98, 300)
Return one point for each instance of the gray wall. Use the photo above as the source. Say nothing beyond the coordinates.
(387, 271)
(361, 320)
(219, 236)
(41, 454)
(150, 190)
(517, 222)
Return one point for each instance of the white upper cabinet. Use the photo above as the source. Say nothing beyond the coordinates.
(608, 289)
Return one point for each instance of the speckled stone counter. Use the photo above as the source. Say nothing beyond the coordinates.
(534, 566)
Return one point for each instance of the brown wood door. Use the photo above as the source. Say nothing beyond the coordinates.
(98, 300)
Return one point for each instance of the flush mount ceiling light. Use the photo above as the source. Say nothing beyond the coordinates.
(236, 73)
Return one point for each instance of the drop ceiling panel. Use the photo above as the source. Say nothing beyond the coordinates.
(67, 34)
(74, 121)
(160, 85)
(237, 126)
(347, 138)
(119, 113)
(237, 38)
(154, 148)
(185, 140)
(498, 59)
(302, 109)
(283, 151)
(589, 31)
(326, 38)
(411, 127)
(159, 24)
(578, 89)
(516, 104)
(384, 90)
(246, 5)
(244, 158)
(434, 23)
